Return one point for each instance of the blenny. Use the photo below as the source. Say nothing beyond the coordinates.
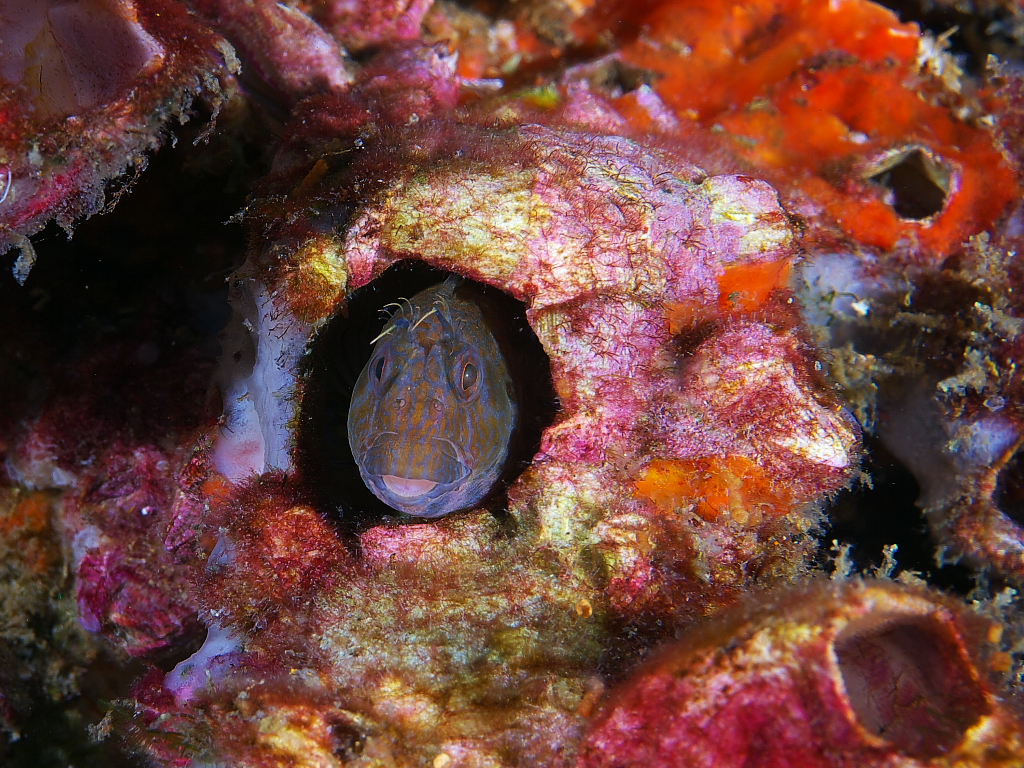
(434, 409)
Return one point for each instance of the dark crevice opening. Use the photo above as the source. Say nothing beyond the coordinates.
(53, 731)
(614, 78)
(346, 740)
(1009, 493)
(917, 185)
(136, 279)
(186, 643)
(869, 518)
(981, 29)
(341, 350)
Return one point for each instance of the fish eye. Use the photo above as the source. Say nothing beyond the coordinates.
(378, 367)
(469, 376)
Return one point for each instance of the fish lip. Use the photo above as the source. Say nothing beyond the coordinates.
(436, 490)
(407, 487)
(423, 505)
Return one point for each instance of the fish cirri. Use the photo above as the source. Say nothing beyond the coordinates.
(433, 411)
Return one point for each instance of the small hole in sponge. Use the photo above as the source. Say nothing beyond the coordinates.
(909, 682)
(347, 741)
(917, 183)
(343, 347)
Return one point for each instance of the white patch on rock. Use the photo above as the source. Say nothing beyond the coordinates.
(261, 348)
(203, 667)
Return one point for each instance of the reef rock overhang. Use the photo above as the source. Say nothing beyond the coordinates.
(619, 251)
(694, 444)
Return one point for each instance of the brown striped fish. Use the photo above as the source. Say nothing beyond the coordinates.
(433, 411)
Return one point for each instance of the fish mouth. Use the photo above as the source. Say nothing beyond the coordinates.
(415, 496)
(407, 487)
(436, 494)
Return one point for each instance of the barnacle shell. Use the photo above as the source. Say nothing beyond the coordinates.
(869, 672)
(89, 87)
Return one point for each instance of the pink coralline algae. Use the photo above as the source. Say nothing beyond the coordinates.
(282, 47)
(603, 292)
(697, 383)
(118, 495)
(359, 26)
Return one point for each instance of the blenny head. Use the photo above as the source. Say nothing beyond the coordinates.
(432, 412)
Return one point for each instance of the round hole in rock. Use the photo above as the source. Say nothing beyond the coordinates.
(910, 683)
(1009, 494)
(344, 346)
(917, 183)
(347, 741)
